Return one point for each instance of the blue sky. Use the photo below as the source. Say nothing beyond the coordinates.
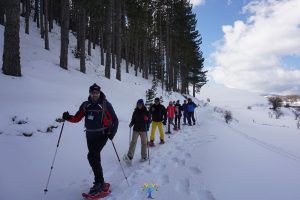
(211, 17)
(251, 45)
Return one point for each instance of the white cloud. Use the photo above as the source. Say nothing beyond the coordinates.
(250, 54)
(197, 2)
(229, 2)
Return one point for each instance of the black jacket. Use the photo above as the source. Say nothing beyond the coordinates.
(178, 109)
(158, 113)
(140, 120)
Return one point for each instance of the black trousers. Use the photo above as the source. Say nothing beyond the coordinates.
(191, 117)
(95, 143)
(177, 121)
(185, 116)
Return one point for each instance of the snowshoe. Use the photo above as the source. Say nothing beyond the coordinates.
(93, 195)
(143, 159)
(162, 142)
(151, 144)
(127, 160)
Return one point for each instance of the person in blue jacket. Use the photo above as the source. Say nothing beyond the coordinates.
(191, 106)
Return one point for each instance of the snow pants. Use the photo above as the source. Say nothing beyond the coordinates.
(160, 128)
(134, 139)
(95, 143)
(191, 117)
(177, 121)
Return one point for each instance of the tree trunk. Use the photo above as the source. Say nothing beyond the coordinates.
(82, 22)
(50, 14)
(101, 46)
(27, 14)
(113, 37)
(2, 11)
(118, 38)
(65, 20)
(11, 50)
(90, 38)
(46, 25)
(41, 18)
(108, 40)
(36, 13)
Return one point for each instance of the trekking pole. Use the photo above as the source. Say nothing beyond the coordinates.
(129, 136)
(46, 189)
(119, 161)
(147, 143)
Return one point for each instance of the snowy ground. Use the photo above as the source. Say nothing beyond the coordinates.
(253, 158)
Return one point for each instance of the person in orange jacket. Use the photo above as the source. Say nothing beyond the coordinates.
(171, 115)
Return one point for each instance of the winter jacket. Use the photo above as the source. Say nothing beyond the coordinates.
(158, 113)
(178, 109)
(184, 108)
(95, 119)
(171, 111)
(140, 120)
(191, 106)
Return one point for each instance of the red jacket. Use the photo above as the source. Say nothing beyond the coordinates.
(171, 111)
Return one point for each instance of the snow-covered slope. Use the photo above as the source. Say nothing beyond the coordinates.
(254, 157)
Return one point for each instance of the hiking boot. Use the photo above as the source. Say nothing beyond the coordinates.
(162, 142)
(194, 123)
(143, 159)
(97, 188)
(127, 159)
(151, 143)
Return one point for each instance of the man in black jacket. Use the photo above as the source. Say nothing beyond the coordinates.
(101, 123)
(159, 118)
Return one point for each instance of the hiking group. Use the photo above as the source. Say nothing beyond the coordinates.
(101, 123)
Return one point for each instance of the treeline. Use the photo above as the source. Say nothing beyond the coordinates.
(154, 37)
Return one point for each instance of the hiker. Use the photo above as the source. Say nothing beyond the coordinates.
(171, 116)
(159, 118)
(185, 112)
(140, 123)
(101, 123)
(191, 106)
(178, 114)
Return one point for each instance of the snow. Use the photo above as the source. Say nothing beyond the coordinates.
(253, 157)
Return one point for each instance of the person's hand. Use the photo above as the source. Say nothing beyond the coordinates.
(130, 125)
(110, 136)
(165, 122)
(66, 116)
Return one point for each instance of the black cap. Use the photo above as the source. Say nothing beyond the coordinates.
(157, 99)
(95, 87)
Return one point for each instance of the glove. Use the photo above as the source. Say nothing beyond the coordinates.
(146, 118)
(165, 122)
(110, 136)
(130, 125)
(66, 116)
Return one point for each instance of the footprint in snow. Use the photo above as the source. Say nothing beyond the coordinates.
(195, 170)
(206, 195)
(188, 155)
(163, 180)
(183, 186)
(178, 162)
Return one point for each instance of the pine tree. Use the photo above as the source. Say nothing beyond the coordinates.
(64, 31)
(11, 50)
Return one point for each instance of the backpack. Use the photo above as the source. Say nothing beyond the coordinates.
(106, 116)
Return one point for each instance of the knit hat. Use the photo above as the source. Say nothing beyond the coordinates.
(140, 101)
(95, 87)
(157, 99)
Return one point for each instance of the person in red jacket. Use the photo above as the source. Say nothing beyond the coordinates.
(101, 124)
(171, 116)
